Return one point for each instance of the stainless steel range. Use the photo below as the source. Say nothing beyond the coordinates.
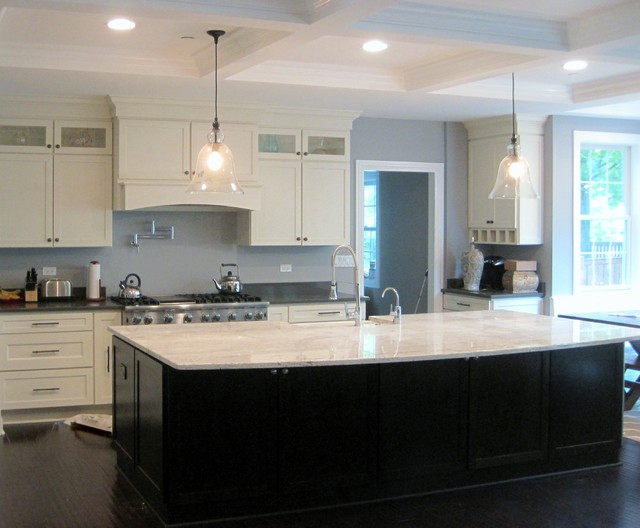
(192, 308)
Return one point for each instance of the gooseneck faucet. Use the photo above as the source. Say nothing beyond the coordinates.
(333, 295)
(397, 312)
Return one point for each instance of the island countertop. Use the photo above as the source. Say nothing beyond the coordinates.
(265, 344)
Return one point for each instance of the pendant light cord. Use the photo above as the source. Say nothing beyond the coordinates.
(215, 82)
(513, 109)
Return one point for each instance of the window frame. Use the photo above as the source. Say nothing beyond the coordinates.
(631, 143)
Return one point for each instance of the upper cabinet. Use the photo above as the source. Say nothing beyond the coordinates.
(60, 137)
(504, 221)
(318, 145)
(55, 183)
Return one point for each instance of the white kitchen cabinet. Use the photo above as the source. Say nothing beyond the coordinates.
(61, 137)
(454, 302)
(155, 160)
(319, 145)
(46, 360)
(103, 354)
(62, 200)
(503, 221)
(303, 203)
(278, 312)
(313, 312)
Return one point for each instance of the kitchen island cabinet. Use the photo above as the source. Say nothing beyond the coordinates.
(308, 416)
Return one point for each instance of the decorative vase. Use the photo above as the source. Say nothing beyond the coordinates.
(472, 266)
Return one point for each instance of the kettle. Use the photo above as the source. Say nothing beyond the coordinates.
(229, 283)
(130, 290)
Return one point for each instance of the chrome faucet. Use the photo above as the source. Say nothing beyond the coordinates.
(333, 295)
(397, 312)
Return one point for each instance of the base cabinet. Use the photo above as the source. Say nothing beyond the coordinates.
(207, 444)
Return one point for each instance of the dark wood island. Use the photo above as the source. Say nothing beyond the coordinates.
(234, 419)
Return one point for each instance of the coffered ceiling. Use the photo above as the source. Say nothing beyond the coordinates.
(446, 60)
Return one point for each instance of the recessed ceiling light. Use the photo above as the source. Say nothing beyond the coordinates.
(575, 65)
(121, 24)
(374, 46)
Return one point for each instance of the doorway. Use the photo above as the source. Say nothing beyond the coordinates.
(401, 242)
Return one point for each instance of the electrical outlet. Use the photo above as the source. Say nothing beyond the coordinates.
(344, 261)
(285, 268)
(48, 271)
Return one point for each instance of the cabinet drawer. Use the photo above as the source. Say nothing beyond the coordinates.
(57, 388)
(46, 322)
(311, 313)
(46, 350)
(464, 303)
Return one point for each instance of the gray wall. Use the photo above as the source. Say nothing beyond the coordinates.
(204, 240)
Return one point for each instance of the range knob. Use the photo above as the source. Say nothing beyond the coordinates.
(205, 317)
(260, 316)
(215, 317)
(187, 318)
(232, 316)
(168, 318)
(248, 316)
(135, 319)
(148, 319)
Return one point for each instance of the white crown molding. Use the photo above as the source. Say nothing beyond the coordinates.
(611, 88)
(607, 28)
(52, 107)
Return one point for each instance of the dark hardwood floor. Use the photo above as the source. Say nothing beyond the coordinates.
(55, 476)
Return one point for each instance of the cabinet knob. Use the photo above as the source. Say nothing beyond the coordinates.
(56, 239)
(305, 154)
(186, 173)
(49, 145)
(57, 146)
(489, 221)
(298, 238)
(305, 239)
(285, 372)
(49, 239)
(298, 153)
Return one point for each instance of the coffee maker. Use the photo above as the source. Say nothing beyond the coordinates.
(492, 273)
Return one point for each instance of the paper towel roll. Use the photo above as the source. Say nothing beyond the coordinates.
(93, 281)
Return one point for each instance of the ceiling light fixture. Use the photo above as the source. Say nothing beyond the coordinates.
(121, 24)
(575, 65)
(513, 180)
(215, 170)
(374, 46)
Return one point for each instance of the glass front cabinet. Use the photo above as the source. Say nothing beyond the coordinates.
(63, 137)
(303, 144)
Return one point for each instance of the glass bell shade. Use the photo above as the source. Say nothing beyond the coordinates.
(215, 169)
(513, 180)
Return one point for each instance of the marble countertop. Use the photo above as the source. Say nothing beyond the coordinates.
(266, 344)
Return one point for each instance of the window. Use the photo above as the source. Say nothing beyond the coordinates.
(604, 203)
(370, 242)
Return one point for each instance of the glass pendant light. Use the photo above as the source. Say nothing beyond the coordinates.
(513, 180)
(215, 169)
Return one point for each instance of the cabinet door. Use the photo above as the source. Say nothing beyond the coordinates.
(586, 400)
(223, 436)
(502, 434)
(325, 203)
(278, 222)
(82, 201)
(423, 417)
(83, 137)
(280, 143)
(26, 197)
(327, 428)
(103, 354)
(149, 421)
(26, 136)
(325, 145)
(242, 139)
(124, 402)
(153, 150)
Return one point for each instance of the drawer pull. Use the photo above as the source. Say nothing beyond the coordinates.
(52, 323)
(464, 304)
(330, 313)
(52, 351)
(47, 389)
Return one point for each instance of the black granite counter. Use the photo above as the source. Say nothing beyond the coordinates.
(58, 306)
(492, 294)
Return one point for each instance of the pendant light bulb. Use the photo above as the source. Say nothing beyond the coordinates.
(514, 179)
(215, 168)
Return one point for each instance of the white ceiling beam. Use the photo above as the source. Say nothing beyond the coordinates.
(607, 89)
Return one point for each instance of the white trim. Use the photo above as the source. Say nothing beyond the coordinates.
(435, 174)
